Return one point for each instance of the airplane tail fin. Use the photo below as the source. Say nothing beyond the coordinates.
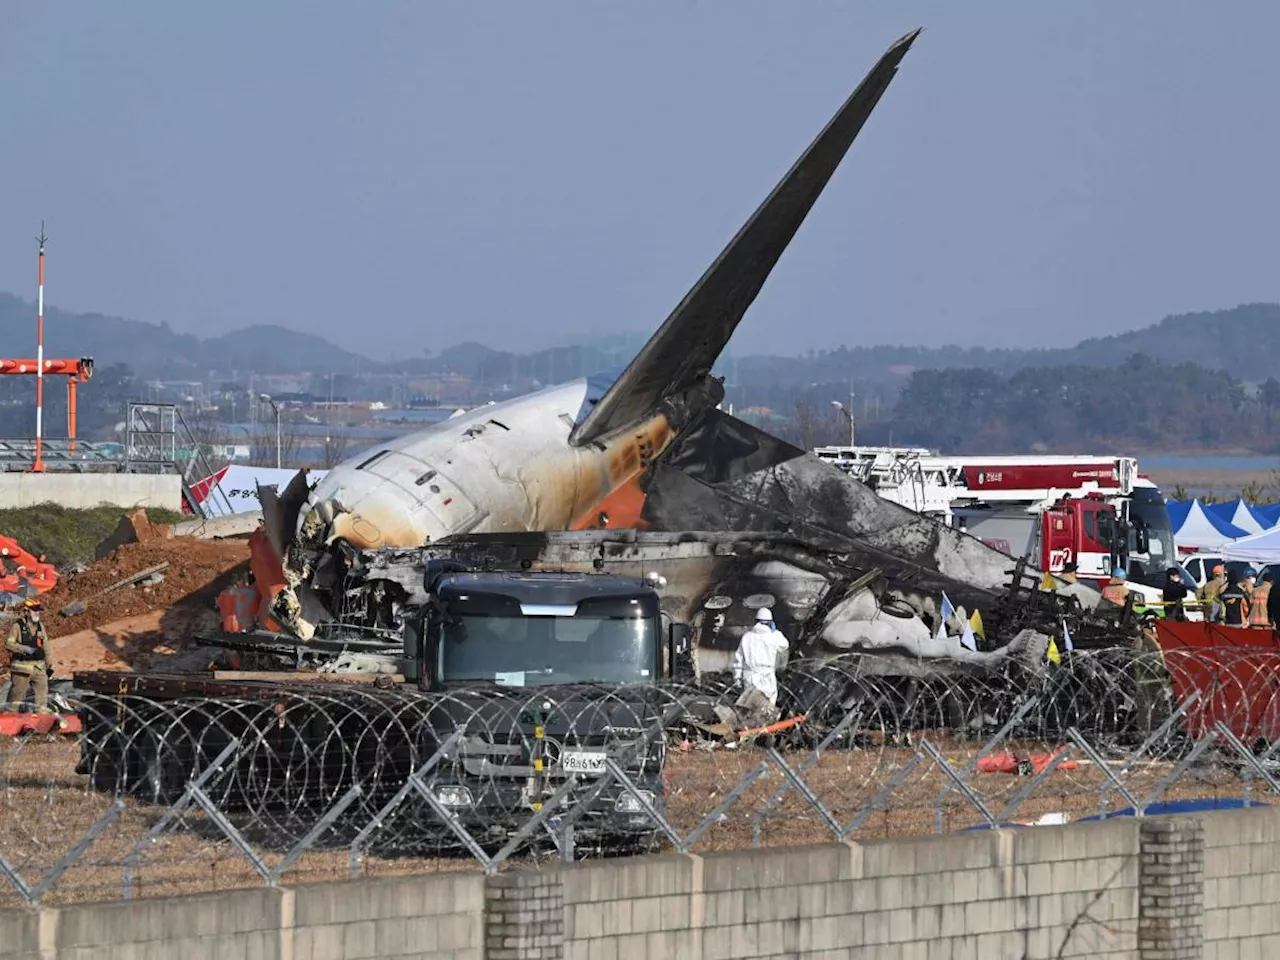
(679, 357)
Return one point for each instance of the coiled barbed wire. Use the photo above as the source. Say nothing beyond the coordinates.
(492, 756)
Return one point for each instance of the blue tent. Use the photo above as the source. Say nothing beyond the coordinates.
(1202, 529)
(1269, 513)
(1178, 510)
(1241, 514)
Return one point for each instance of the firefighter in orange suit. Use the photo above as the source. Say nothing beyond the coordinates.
(1208, 594)
(1115, 591)
(1259, 616)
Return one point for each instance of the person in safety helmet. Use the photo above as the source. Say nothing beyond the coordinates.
(755, 666)
(1235, 602)
(28, 665)
(1209, 593)
(1260, 603)
(1248, 580)
(1115, 591)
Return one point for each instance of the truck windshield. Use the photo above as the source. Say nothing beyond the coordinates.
(1146, 508)
(522, 651)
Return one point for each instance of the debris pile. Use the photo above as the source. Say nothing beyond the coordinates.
(146, 624)
(134, 527)
(197, 570)
(21, 574)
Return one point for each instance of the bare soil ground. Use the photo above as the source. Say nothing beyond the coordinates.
(196, 569)
(141, 627)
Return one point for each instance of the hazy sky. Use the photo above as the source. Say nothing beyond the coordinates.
(396, 175)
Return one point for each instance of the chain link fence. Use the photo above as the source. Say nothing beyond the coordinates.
(159, 796)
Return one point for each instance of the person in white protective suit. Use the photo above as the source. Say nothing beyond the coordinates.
(755, 666)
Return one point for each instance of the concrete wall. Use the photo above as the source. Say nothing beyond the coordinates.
(439, 916)
(84, 490)
(1159, 889)
(1046, 892)
(1242, 885)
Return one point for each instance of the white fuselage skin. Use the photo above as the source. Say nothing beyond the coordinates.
(499, 468)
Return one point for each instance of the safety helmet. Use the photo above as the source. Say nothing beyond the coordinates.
(763, 615)
(1249, 573)
(31, 603)
(1118, 572)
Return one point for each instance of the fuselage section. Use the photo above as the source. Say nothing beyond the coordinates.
(498, 468)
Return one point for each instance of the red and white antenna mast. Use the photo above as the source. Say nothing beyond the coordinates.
(38, 465)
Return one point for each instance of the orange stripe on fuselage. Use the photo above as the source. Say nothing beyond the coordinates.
(622, 506)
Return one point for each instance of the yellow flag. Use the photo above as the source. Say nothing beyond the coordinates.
(1047, 582)
(1052, 654)
(975, 621)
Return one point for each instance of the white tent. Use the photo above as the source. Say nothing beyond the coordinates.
(1202, 530)
(1261, 548)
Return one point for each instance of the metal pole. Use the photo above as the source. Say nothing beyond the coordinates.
(38, 465)
(71, 412)
(276, 411)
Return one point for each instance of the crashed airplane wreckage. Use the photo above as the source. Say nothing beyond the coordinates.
(619, 475)
(645, 448)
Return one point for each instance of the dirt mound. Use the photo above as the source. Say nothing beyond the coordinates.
(197, 570)
(134, 527)
(134, 626)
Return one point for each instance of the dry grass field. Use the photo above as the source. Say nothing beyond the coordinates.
(45, 808)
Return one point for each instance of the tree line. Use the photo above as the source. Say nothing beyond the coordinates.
(1137, 405)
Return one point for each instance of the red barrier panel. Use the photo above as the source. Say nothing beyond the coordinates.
(1235, 670)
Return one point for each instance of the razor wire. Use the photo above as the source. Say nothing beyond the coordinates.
(157, 796)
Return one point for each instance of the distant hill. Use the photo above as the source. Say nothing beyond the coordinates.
(272, 348)
(1213, 341)
(1241, 341)
(155, 350)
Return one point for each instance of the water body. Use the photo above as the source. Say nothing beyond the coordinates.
(1210, 462)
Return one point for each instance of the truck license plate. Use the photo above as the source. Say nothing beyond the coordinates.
(582, 762)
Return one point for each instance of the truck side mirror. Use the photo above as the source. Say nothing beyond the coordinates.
(678, 638)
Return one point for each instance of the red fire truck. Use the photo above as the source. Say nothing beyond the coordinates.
(1096, 511)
